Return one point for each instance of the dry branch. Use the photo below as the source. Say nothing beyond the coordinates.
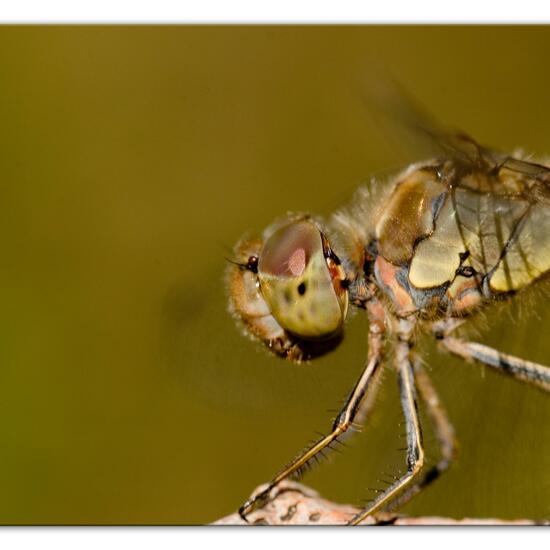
(295, 504)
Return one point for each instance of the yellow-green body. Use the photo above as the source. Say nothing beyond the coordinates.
(445, 242)
(440, 240)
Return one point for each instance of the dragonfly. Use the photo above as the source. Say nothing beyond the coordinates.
(420, 254)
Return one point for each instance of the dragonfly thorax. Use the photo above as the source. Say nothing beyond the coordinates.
(446, 242)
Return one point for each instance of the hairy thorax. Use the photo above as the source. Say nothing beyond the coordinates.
(443, 243)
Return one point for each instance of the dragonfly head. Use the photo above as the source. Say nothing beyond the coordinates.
(291, 289)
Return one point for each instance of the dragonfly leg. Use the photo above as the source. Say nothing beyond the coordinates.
(520, 369)
(353, 408)
(444, 432)
(415, 451)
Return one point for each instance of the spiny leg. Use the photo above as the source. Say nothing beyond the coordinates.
(520, 369)
(525, 371)
(444, 433)
(344, 420)
(415, 452)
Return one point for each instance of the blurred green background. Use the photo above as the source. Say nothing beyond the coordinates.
(131, 160)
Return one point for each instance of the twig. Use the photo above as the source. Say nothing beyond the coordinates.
(295, 504)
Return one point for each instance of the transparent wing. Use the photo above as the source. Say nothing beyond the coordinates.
(495, 222)
(503, 174)
(484, 170)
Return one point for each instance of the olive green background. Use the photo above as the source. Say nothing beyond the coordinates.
(131, 161)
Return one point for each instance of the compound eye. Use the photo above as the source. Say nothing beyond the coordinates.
(298, 284)
(288, 251)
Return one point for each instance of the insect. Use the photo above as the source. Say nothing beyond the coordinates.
(419, 254)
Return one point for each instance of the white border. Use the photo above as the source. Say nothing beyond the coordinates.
(229, 538)
(283, 11)
(272, 11)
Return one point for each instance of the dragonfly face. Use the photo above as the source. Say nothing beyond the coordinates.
(290, 290)
(302, 281)
(440, 241)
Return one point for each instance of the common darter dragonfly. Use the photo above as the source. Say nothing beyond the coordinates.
(420, 254)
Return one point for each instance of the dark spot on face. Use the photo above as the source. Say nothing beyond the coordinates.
(287, 296)
(313, 309)
(302, 288)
